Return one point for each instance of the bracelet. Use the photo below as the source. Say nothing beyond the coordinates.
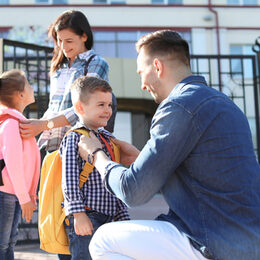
(91, 156)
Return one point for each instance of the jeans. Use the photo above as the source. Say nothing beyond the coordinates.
(64, 257)
(10, 214)
(79, 244)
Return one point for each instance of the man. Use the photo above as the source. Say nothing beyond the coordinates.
(200, 157)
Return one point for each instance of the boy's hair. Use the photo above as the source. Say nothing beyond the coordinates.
(165, 43)
(11, 82)
(88, 85)
(75, 21)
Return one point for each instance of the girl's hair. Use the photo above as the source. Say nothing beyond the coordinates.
(11, 81)
(75, 21)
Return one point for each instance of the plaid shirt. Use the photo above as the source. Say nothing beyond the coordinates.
(60, 97)
(93, 194)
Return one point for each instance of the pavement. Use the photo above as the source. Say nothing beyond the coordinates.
(32, 252)
(149, 210)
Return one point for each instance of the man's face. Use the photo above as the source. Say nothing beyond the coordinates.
(149, 78)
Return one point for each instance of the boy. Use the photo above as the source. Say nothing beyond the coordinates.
(92, 205)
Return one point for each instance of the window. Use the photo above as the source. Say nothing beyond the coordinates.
(121, 44)
(237, 66)
(109, 2)
(179, 2)
(51, 2)
(123, 126)
(117, 2)
(4, 2)
(99, 1)
(242, 2)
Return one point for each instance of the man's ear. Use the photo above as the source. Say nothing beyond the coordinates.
(159, 67)
(78, 107)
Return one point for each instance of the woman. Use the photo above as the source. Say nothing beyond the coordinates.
(73, 58)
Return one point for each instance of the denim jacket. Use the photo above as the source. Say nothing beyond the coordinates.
(200, 156)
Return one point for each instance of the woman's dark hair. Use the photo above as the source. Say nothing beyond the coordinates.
(11, 81)
(75, 21)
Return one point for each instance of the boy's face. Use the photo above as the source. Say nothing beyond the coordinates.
(96, 110)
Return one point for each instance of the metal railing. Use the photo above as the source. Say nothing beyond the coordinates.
(35, 61)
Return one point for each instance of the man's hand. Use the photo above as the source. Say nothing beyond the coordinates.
(88, 145)
(32, 127)
(82, 224)
(128, 152)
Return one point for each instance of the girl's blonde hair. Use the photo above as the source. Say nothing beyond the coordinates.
(11, 81)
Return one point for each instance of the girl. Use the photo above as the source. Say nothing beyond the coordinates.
(73, 58)
(20, 160)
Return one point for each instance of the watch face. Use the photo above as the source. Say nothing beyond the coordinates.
(50, 124)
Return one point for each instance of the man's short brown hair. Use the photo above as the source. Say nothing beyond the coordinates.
(165, 43)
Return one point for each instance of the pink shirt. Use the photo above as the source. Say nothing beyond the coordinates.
(21, 157)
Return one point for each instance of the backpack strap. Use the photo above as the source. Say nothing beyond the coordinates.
(109, 148)
(2, 165)
(87, 64)
(116, 150)
(87, 168)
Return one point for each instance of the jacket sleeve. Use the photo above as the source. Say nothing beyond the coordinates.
(170, 143)
(36, 174)
(13, 156)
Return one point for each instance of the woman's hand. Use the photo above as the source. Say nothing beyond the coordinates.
(87, 145)
(128, 152)
(32, 127)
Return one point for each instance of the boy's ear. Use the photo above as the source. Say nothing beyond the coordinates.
(78, 107)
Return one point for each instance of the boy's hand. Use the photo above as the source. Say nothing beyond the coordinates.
(82, 224)
(27, 211)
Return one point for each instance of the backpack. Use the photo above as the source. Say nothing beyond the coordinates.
(51, 215)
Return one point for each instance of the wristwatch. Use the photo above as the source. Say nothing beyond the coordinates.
(50, 124)
(91, 157)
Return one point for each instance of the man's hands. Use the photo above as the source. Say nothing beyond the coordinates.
(32, 127)
(82, 224)
(88, 145)
(128, 152)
